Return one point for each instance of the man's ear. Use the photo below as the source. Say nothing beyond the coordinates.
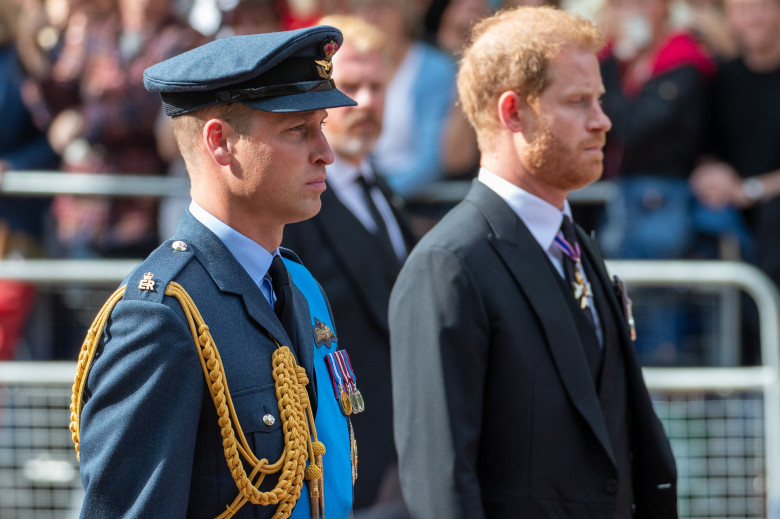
(511, 110)
(217, 138)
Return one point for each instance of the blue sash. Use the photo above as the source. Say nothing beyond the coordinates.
(332, 428)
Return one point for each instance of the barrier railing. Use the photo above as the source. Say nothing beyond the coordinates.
(721, 388)
(46, 183)
(708, 412)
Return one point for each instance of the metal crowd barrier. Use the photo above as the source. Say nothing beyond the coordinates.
(723, 423)
(46, 183)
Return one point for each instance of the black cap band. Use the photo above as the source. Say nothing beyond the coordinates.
(303, 87)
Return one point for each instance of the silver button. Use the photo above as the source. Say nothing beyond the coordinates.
(179, 246)
(269, 419)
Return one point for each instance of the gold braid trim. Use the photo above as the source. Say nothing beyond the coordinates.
(300, 434)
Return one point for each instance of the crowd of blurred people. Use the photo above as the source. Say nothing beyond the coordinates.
(690, 89)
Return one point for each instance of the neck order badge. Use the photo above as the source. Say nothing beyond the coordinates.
(566, 241)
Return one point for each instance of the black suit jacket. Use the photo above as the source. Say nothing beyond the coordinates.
(496, 412)
(358, 273)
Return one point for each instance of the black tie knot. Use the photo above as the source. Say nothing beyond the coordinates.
(365, 182)
(279, 276)
(368, 185)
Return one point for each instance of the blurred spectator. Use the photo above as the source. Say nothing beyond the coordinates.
(420, 97)
(297, 14)
(447, 26)
(706, 21)
(744, 167)
(22, 147)
(103, 118)
(250, 17)
(447, 23)
(205, 16)
(656, 84)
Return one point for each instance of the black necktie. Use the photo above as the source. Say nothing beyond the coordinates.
(381, 227)
(570, 263)
(280, 281)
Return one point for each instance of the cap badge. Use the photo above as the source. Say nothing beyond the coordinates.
(323, 335)
(324, 65)
(147, 283)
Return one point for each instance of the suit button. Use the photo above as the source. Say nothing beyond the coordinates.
(269, 420)
(611, 486)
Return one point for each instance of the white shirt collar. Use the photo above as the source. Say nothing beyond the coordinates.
(342, 173)
(542, 218)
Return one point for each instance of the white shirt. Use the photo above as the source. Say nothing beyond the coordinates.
(543, 221)
(255, 259)
(342, 177)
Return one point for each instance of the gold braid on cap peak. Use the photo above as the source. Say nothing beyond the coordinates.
(290, 380)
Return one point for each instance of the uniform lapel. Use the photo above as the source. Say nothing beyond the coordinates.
(530, 268)
(230, 276)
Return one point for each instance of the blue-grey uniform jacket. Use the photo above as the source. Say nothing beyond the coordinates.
(150, 442)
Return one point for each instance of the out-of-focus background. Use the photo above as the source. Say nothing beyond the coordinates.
(687, 212)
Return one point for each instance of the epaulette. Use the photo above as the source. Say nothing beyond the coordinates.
(149, 280)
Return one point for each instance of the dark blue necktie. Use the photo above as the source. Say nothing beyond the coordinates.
(280, 281)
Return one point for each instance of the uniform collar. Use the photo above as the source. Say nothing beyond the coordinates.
(251, 255)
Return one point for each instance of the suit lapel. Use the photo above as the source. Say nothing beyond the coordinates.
(596, 261)
(530, 268)
(346, 235)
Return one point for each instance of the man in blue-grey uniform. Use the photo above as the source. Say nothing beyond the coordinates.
(209, 385)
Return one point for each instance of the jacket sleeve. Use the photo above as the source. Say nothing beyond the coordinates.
(139, 424)
(439, 347)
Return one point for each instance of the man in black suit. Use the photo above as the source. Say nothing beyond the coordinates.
(355, 247)
(516, 389)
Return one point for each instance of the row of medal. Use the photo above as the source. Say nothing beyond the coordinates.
(345, 383)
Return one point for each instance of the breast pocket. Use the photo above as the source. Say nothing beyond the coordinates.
(258, 417)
